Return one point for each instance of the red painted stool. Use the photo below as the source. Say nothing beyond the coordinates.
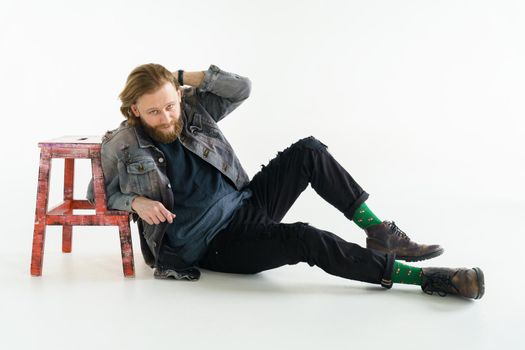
(70, 148)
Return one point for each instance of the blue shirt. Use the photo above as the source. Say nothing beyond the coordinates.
(204, 201)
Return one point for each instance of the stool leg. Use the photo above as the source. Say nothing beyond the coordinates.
(69, 177)
(67, 238)
(126, 248)
(39, 235)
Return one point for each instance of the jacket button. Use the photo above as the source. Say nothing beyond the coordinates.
(169, 185)
(206, 151)
(161, 160)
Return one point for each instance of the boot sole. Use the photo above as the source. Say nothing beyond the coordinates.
(373, 245)
(421, 257)
(481, 282)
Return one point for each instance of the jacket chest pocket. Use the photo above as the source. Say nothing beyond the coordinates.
(141, 177)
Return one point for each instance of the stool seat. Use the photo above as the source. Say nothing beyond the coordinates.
(70, 148)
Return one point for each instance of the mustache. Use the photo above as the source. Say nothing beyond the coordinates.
(164, 133)
(164, 126)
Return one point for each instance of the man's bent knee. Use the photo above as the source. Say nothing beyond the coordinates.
(310, 142)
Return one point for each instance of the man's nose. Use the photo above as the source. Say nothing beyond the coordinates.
(166, 117)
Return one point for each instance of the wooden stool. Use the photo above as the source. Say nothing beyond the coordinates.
(70, 148)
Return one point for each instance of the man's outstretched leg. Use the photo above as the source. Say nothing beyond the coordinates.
(279, 184)
(253, 242)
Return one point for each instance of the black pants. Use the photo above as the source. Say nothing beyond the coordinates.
(256, 240)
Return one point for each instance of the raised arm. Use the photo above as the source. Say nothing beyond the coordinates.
(192, 78)
(218, 91)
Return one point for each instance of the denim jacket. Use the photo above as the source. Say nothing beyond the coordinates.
(134, 166)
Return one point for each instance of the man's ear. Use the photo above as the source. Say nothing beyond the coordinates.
(135, 110)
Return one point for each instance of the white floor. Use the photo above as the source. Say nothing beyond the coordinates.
(83, 301)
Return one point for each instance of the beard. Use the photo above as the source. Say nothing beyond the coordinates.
(161, 133)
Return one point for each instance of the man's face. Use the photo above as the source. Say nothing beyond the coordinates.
(159, 113)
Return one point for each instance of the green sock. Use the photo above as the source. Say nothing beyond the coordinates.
(364, 217)
(406, 274)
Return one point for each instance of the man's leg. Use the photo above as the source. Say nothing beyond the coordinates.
(277, 186)
(253, 242)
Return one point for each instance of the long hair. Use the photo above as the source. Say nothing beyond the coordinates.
(142, 80)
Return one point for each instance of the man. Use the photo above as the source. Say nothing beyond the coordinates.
(170, 165)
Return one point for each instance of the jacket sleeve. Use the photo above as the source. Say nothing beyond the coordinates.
(221, 92)
(115, 198)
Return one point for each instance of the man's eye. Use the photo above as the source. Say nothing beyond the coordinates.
(170, 107)
(153, 112)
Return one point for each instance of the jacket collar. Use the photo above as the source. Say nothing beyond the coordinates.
(142, 137)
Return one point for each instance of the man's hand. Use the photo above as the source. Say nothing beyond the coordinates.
(151, 211)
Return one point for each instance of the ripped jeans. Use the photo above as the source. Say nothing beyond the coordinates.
(256, 240)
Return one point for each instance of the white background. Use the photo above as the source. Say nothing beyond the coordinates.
(421, 101)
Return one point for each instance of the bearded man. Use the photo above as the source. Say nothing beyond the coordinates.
(170, 165)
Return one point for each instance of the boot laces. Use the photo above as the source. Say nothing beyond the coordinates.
(397, 231)
(439, 283)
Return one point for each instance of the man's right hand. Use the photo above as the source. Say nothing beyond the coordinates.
(153, 212)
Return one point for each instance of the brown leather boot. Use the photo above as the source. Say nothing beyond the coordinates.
(469, 283)
(389, 238)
